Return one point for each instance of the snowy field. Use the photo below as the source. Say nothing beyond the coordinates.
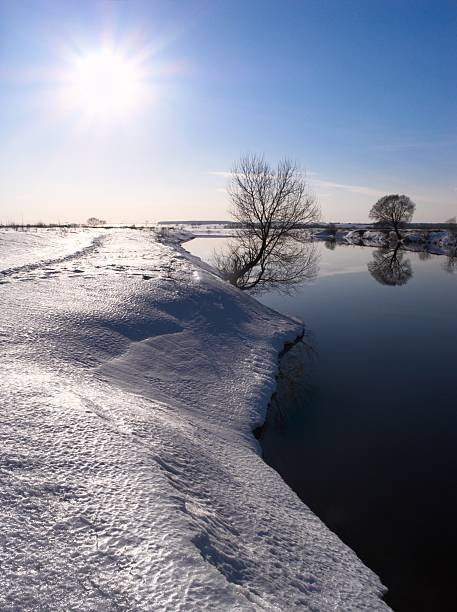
(37, 246)
(132, 377)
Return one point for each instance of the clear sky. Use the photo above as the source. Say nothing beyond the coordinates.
(135, 110)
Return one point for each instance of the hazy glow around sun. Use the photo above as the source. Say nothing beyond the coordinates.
(105, 84)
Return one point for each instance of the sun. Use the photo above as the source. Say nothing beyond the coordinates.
(105, 84)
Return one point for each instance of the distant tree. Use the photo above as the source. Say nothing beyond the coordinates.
(389, 267)
(331, 230)
(271, 207)
(94, 221)
(452, 225)
(393, 211)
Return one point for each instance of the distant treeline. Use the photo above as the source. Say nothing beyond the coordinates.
(68, 226)
(197, 223)
(320, 225)
(228, 224)
(377, 226)
(39, 225)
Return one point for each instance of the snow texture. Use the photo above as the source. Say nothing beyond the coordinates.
(367, 237)
(132, 378)
(36, 247)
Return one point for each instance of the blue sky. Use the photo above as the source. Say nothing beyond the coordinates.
(362, 94)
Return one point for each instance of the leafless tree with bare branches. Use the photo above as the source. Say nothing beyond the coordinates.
(393, 211)
(272, 207)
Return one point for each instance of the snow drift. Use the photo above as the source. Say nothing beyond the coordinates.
(132, 377)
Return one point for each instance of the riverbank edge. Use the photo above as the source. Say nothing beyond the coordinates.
(177, 239)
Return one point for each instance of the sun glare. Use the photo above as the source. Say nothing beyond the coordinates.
(105, 84)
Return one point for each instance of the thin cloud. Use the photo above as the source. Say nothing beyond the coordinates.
(350, 188)
(320, 183)
(222, 173)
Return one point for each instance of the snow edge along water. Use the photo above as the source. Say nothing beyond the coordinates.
(177, 239)
(131, 479)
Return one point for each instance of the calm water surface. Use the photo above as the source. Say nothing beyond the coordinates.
(374, 451)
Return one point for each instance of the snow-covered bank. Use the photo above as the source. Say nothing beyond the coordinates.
(37, 247)
(439, 242)
(132, 380)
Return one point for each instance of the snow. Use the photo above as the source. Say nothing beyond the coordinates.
(354, 237)
(132, 379)
(442, 239)
(414, 237)
(367, 237)
(36, 247)
(200, 229)
(433, 241)
(375, 238)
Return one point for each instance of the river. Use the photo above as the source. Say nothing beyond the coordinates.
(372, 449)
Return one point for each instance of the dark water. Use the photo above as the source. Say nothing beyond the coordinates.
(374, 451)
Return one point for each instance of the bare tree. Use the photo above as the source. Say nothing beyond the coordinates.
(93, 221)
(272, 207)
(393, 211)
(331, 230)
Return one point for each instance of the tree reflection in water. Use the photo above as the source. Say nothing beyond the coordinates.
(390, 267)
(330, 245)
(450, 265)
(294, 261)
(424, 255)
(283, 268)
